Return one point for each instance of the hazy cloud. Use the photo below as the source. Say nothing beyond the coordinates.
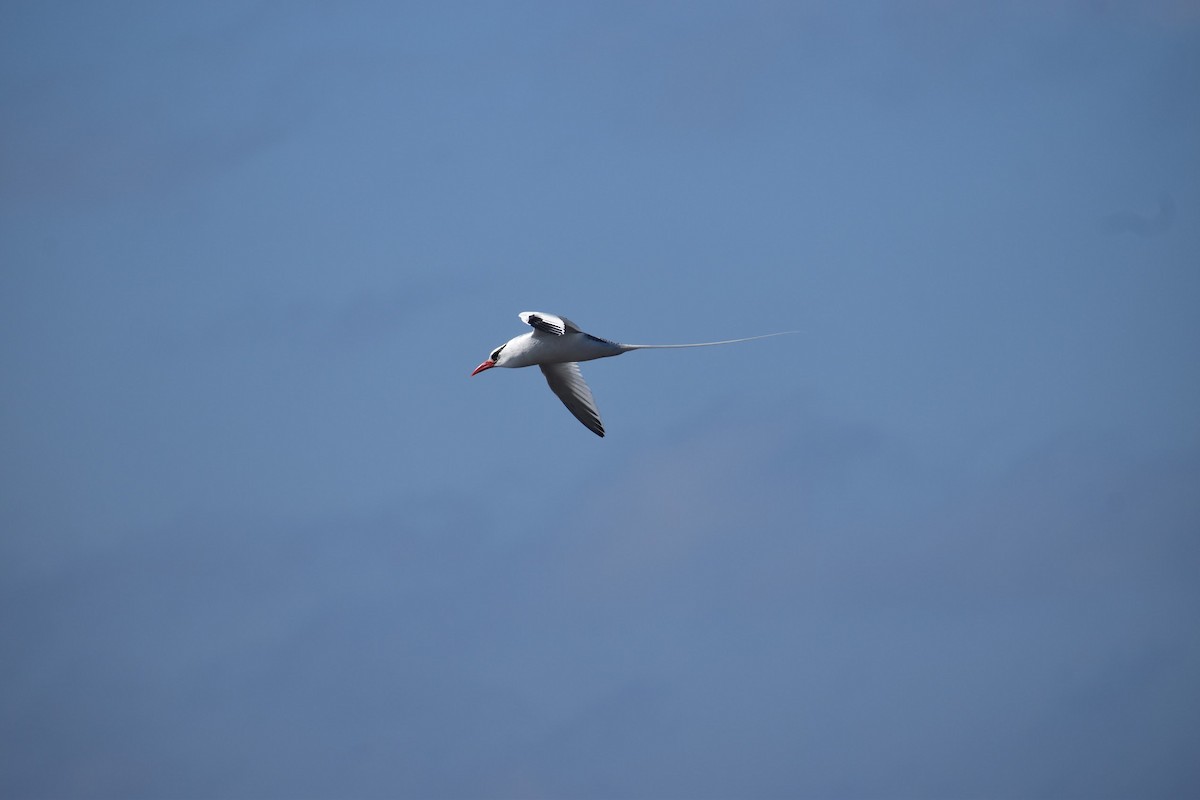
(1142, 224)
(779, 647)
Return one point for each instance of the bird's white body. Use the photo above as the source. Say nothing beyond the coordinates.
(557, 345)
(538, 347)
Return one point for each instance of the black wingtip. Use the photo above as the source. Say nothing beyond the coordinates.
(544, 325)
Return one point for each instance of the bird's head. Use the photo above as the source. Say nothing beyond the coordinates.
(496, 359)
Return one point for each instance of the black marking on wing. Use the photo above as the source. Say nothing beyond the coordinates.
(544, 325)
(598, 339)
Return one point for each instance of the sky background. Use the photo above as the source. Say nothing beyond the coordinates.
(263, 537)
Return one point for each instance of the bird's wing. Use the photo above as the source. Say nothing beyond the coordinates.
(567, 382)
(549, 323)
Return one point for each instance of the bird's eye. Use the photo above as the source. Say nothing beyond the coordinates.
(496, 353)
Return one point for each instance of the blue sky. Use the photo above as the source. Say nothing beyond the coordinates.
(263, 537)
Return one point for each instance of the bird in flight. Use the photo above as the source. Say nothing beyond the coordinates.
(557, 345)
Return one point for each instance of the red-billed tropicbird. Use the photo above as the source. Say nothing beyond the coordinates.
(557, 345)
